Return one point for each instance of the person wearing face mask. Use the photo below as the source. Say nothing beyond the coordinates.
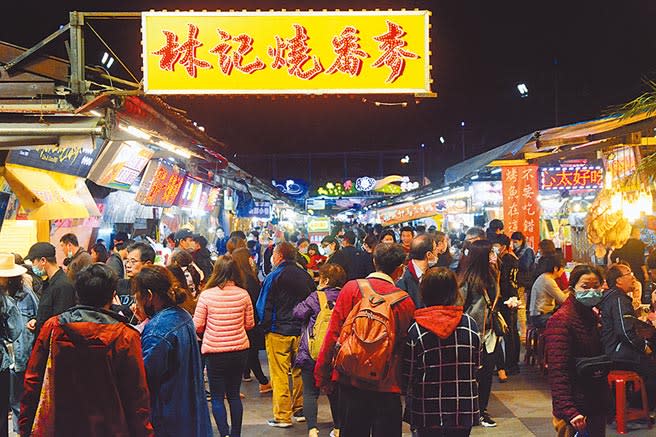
(76, 257)
(302, 258)
(284, 288)
(331, 250)
(578, 404)
(423, 255)
(59, 295)
(626, 349)
(171, 356)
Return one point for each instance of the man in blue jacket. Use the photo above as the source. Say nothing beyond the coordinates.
(286, 286)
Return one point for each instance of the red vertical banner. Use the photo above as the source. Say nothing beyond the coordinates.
(521, 209)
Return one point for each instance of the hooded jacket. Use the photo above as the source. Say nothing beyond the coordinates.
(86, 377)
(572, 333)
(440, 361)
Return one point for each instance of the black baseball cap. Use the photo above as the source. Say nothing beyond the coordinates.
(41, 250)
(183, 233)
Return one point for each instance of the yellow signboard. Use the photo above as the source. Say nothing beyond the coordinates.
(286, 52)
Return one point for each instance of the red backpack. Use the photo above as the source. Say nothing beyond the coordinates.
(368, 336)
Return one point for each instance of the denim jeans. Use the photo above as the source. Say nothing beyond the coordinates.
(311, 394)
(224, 371)
(15, 394)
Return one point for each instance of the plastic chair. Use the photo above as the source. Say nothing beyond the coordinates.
(623, 414)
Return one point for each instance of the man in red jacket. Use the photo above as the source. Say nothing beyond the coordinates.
(86, 374)
(368, 408)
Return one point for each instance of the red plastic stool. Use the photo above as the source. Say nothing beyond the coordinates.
(624, 414)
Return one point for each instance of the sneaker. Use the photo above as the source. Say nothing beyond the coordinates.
(502, 375)
(277, 424)
(314, 432)
(299, 416)
(487, 421)
(265, 388)
(334, 432)
(247, 378)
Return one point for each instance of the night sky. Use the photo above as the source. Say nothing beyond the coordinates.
(588, 54)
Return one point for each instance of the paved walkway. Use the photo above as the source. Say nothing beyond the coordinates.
(521, 407)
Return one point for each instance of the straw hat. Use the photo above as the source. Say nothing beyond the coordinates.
(8, 267)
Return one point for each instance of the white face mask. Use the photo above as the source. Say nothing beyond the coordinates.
(432, 262)
(327, 251)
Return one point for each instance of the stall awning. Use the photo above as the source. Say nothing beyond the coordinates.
(464, 168)
(47, 195)
(548, 140)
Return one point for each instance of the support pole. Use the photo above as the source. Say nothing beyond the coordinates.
(78, 83)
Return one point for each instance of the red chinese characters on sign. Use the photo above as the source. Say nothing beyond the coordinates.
(521, 209)
(228, 61)
(349, 53)
(184, 54)
(394, 56)
(163, 187)
(571, 178)
(294, 53)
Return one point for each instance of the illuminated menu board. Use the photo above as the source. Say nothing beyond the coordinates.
(208, 197)
(190, 194)
(120, 164)
(160, 185)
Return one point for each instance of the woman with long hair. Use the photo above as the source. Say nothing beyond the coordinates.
(479, 286)
(249, 281)
(223, 315)
(171, 356)
(99, 253)
(181, 263)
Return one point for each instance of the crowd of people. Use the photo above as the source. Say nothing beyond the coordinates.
(412, 331)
